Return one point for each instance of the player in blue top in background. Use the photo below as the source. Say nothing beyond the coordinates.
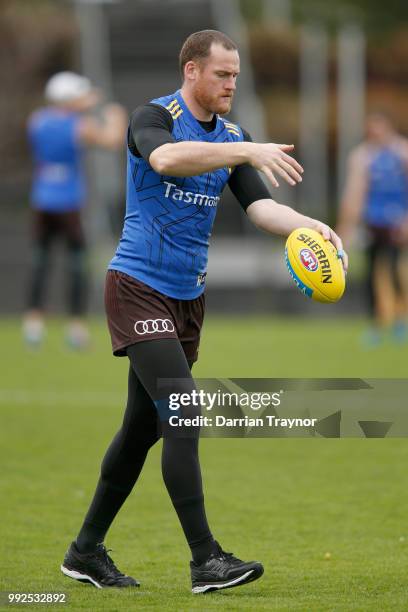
(181, 155)
(58, 135)
(376, 194)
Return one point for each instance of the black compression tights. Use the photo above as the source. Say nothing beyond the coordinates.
(141, 428)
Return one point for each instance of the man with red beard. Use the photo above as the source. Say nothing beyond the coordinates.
(181, 154)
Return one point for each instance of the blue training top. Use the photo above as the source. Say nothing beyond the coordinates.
(58, 182)
(387, 196)
(169, 219)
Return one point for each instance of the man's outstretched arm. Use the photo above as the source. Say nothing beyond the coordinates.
(192, 158)
(268, 215)
(279, 219)
(151, 137)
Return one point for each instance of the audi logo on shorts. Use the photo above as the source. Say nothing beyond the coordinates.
(154, 326)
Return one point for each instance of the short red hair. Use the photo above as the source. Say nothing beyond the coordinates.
(198, 46)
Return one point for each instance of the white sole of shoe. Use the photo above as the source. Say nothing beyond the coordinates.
(221, 585)
(81, 577)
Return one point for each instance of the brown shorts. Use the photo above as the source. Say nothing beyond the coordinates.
(137, 312)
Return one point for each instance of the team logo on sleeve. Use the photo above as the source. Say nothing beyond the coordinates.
(309, 260)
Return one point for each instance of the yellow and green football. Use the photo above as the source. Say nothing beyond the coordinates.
(315, 265)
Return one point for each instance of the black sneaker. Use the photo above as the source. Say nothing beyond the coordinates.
(222, 571)
(96, 568)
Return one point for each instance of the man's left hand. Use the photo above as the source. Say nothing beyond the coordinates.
(329, 234)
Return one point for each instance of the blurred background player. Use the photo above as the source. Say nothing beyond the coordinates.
(58, 135)
(376, 193)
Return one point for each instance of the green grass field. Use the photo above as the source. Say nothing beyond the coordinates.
(287, 502)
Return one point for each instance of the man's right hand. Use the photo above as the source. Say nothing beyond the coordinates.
(273, 159)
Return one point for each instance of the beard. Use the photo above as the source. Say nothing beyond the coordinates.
(212, 103)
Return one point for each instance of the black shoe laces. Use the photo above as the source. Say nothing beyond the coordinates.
(107, 560)
(222, 554)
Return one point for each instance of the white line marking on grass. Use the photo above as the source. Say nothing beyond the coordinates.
(52, 397)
